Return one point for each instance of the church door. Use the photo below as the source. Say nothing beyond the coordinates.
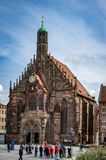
(36, 138)
(28, 137)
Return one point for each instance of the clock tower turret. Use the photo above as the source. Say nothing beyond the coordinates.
(42, 42)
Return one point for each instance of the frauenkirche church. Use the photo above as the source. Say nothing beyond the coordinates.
(49, 103)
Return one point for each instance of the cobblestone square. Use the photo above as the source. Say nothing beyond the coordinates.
(13, 154)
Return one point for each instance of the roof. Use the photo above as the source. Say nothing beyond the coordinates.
(2, 104)
(42, 28)
(72, 79)
(102, 94)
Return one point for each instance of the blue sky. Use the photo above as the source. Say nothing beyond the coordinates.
(77, 37)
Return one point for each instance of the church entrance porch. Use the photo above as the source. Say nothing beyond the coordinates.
(33, 128)
(31, 132)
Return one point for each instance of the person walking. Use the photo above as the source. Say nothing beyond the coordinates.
(51, 151)
(56, 150)
(41, 151)
(8, 147)
(30, 149)
(27, 149)
(36, 150)
(69, 152)
(20, 153)
(60, 151)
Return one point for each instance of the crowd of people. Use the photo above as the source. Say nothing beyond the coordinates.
(48, 151)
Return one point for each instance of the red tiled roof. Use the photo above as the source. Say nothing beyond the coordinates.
(72, 79)
(102, 94)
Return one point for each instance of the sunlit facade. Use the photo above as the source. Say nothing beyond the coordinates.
(49, 103)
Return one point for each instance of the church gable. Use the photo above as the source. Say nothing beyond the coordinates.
(72, 79)
(53, 76)
(28, 83)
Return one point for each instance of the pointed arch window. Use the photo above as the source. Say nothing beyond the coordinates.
(64, 116)
(32, 102)
(40, 101)
(21, 107)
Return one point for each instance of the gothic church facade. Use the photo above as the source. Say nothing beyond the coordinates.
(49, 103)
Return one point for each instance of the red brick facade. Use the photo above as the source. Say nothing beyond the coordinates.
(49, 103)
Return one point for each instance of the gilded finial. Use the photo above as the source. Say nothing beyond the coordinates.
(42, 20)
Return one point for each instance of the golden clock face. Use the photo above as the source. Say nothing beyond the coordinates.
(32, 78)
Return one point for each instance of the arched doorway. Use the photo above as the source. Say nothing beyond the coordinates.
(31, 132)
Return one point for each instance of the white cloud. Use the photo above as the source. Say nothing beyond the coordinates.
(92, 91)
(70, 40)
(1, 88)
(3, 95)
(4, 98)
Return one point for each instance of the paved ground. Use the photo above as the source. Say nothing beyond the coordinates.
(13, 155)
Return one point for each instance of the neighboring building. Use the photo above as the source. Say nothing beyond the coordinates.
(2, 123)
(102, 114)
(49, 103)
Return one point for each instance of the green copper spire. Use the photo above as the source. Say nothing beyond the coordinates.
(42, 29)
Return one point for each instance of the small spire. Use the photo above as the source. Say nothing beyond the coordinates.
(31, 61)
(27, 66)
(14, 85)
(34, 58)
(42, 28)
(16, 82)
(25, 70)
(10, 84)
(22, 74)
(10, 89)
(19, 78)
